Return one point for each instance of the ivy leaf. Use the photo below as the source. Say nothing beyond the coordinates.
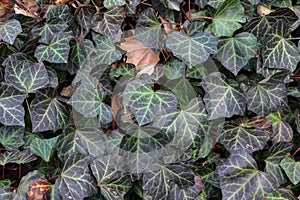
(189, 193)
(215, 3)
(43, 147)
(282, 131)
(84, 17)
(175, 124)
(161, 182)
(105, 51)
(149, 31)
(112, 183)
(279, 53)
(111, 22)
(276, 153)
(6, 192)
(47, 112)
(221, 99)
(113, 3)
(27, 77)
(266, 97)
(18, 157)
(143, 101)
(16, 59)
(228, 18)
(57, 51)
(260, 26)
(10, 30)
(22, 191)
(76, 181)
(235, 138)
(87, 141)
(235, 52)
(281, 194)
(189, 47)
(88, 100)
(62, 12)
(11, 110)
(142, 147)
(11, 137)
(25, 156)
(48, 30)
(291, 168)
(252, 184)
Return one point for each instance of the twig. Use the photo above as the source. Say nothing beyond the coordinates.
(296, 152)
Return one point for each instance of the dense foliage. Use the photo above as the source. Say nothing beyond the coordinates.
(152, 99)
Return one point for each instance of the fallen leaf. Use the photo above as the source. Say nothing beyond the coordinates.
(38, 190)
(138, 54)
(67, 91)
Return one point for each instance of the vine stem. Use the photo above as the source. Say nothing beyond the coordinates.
(296, 152)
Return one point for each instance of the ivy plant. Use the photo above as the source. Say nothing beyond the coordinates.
(154, 99)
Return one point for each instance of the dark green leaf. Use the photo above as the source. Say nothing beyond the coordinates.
(4, 183)
(281, 194)
(149, 31)
(62, 12)
(143, 101)
(10, 30)
(235, 138)
(234, 53)
(27, 77)
(111, 22)
(112, 183)
(291, 168)
(241, 179)
(48, 30)
(84, 17)
(11, 137)
(228, 18)
(43, 147)
(47, 112)
(282, 131)
(76, 181)
(189, 47)
(57, 51)
(113, 3)
(11, 110)
(87, 141)
(221, 99)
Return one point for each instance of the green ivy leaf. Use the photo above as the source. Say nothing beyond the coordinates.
(43, 147)
(260, 26)
(143, 101)
(27, 77)
(47, 112)
(76, 181)
(161, 182)
(172, 4)
(87, 141)
(48, 30)
(189, 47)
(113, 3)
(183, 125)
(112, 183)
(149, 31)
(282, 131)
(11, 137)
(62, 12)
(10, 30)
(281, 194)
(6, 192)
(282, 3)
(236, 138)
(57, 51)
(240, 178)
(105, 51)
(4, 182)
(84, 17)
(111, 22)
(88, 100)
(221, 99)
(276, 153)
(279, 53)
(235, 52)
(11, 110)
(215, 3)
(142, 148)
(291, 168)
(22, 192)
(266, 97)
(228, 18)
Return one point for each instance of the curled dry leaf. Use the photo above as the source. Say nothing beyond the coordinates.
(138, 54)
(38, 190)
(67, 91)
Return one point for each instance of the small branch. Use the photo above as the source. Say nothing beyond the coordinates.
(28, 106)
(296, 152)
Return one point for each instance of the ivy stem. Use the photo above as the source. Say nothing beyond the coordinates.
(20, 171)
(3, 172)
(296, 152)
(184, 71)
(295, 38)
(48, 169)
